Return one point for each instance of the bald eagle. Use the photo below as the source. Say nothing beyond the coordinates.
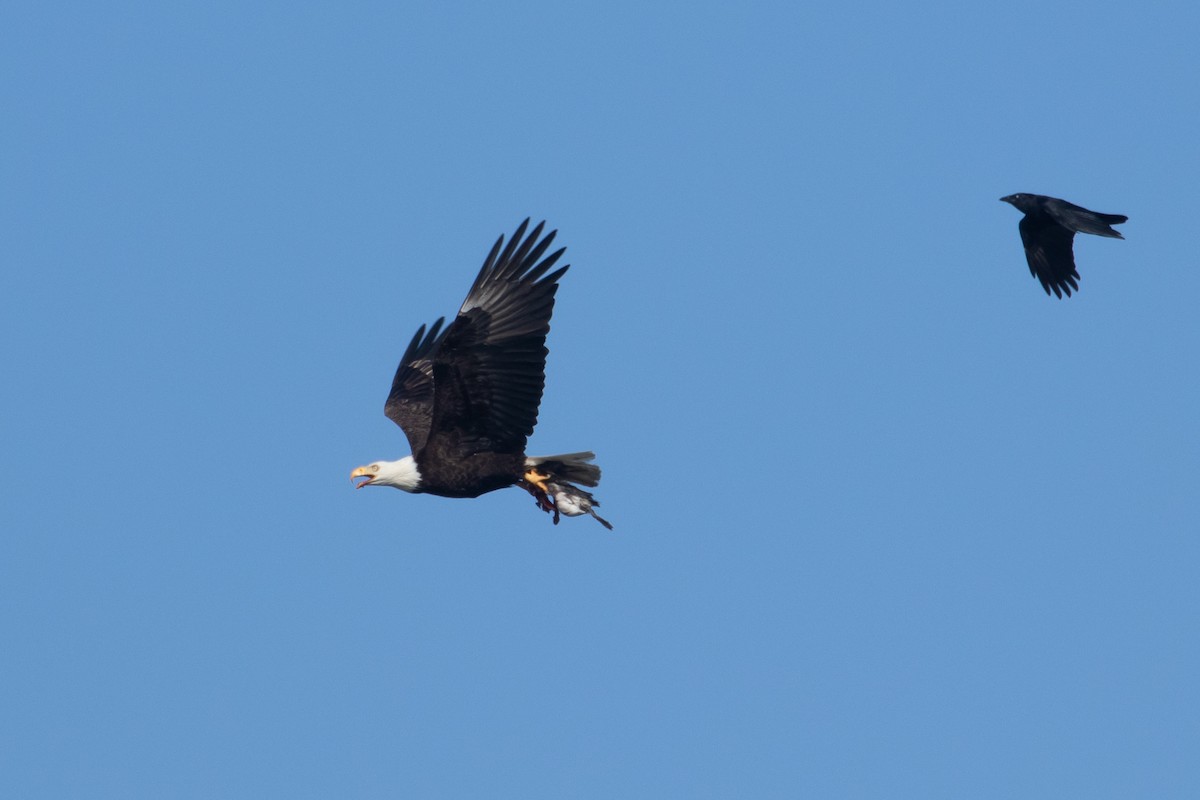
(467, 395)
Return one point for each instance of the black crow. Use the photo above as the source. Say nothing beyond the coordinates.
(1047, 231)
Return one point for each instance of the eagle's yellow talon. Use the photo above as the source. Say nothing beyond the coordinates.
(538, 479)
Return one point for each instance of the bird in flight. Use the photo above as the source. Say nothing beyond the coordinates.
(467, 395)
(1048, 231)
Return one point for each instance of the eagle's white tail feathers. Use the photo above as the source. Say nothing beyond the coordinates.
(572, 467)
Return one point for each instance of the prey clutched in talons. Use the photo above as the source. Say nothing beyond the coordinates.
(573, 502)
(560, 498)
(538, 489)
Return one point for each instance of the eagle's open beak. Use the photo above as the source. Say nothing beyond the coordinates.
(363, 472)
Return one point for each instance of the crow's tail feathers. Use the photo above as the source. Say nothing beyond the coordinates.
(1098, 224)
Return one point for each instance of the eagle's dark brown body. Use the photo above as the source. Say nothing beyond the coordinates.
(470, 476)
(467, 395)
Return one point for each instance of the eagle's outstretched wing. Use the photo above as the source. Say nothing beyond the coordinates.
(488, 369)
(410, 402)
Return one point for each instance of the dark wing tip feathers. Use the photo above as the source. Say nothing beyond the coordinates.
(517, 263)
(519, 259)
(1063, 287)
(421, 342)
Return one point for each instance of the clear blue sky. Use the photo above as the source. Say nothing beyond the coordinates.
(890, 521)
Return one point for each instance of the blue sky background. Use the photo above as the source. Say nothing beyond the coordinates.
(890, 521)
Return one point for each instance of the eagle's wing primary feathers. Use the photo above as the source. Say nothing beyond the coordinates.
(410, 402)
(489, 368)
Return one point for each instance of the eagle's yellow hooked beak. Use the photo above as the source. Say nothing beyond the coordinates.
(363, 472)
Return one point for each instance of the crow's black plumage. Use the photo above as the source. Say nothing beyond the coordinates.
(1048, 230)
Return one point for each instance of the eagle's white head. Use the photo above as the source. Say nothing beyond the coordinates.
(402, 474)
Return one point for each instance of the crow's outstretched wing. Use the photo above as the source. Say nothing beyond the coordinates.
(1049, 253)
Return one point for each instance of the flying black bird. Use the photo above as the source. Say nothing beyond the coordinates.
(1048, 230)
(467, 396)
